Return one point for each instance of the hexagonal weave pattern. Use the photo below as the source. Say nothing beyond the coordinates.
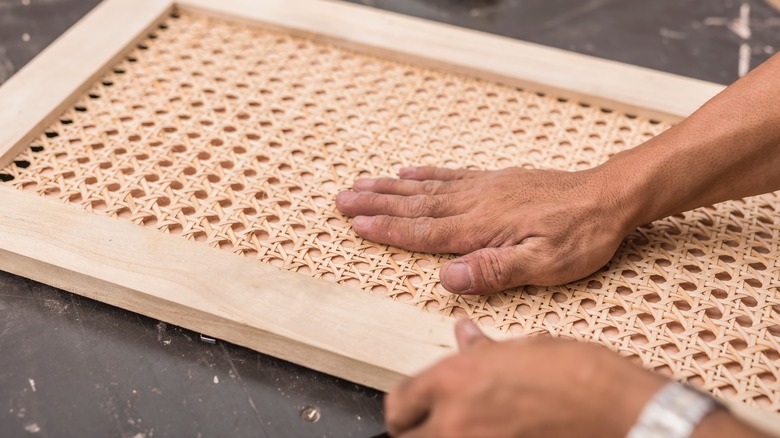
(240, 138)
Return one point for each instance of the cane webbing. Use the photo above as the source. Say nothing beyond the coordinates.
(241, 138)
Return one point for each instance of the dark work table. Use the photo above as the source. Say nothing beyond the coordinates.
(70, 366)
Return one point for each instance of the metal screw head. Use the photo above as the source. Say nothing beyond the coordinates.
(310, 414)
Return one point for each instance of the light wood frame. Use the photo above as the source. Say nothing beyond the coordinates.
(370, 340)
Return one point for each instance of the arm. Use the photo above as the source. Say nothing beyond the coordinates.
(545, 227)
(536, 387)
(728, 149)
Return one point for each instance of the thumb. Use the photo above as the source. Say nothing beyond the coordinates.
(487, 271)
(469, 335)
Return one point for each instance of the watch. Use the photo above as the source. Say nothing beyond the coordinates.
(674, 412)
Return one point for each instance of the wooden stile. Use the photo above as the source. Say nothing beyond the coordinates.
(325, 326)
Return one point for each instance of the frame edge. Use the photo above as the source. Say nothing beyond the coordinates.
(321, 325)
(32, 99)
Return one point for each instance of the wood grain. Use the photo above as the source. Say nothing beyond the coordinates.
(324, 326)
(39, 92)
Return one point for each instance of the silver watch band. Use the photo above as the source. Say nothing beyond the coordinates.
(673, 412)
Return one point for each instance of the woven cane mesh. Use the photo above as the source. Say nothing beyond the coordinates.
(240, 138)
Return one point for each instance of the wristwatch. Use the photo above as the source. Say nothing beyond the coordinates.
(674, 412)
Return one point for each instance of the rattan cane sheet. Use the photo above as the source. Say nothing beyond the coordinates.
(240, 138)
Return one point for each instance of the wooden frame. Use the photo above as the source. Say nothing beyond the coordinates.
(182, 282)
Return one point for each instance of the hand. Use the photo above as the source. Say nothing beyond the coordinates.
(534, 387)
(517, 226)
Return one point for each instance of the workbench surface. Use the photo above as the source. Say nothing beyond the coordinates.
(70, 366)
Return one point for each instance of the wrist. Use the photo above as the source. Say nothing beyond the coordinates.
(650, 181)
(630, 401)
(626, 192)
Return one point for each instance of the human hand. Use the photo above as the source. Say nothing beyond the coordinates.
(533, 387)
(517, 226)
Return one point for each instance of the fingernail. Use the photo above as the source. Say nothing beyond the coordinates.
(469, 328)
(406, 172)
(363, 184)
(457, 278)
(362, 221)
(469, 335)
(346, 197)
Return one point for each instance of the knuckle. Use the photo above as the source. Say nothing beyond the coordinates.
(390, 185)
(494, 275)
(419, 206)
(421, 228)
(430, 187)
(382, 224)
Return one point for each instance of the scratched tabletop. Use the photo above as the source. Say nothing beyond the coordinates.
(70, 366)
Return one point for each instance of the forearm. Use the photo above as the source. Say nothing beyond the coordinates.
(728, 149)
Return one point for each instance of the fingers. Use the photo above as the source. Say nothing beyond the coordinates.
(423, 234)
(469, 336)
(409, 187)
(488, 271)
(409, 405)
(372, 204)
(440, 173)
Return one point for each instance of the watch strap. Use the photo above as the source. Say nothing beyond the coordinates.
(673, 412)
